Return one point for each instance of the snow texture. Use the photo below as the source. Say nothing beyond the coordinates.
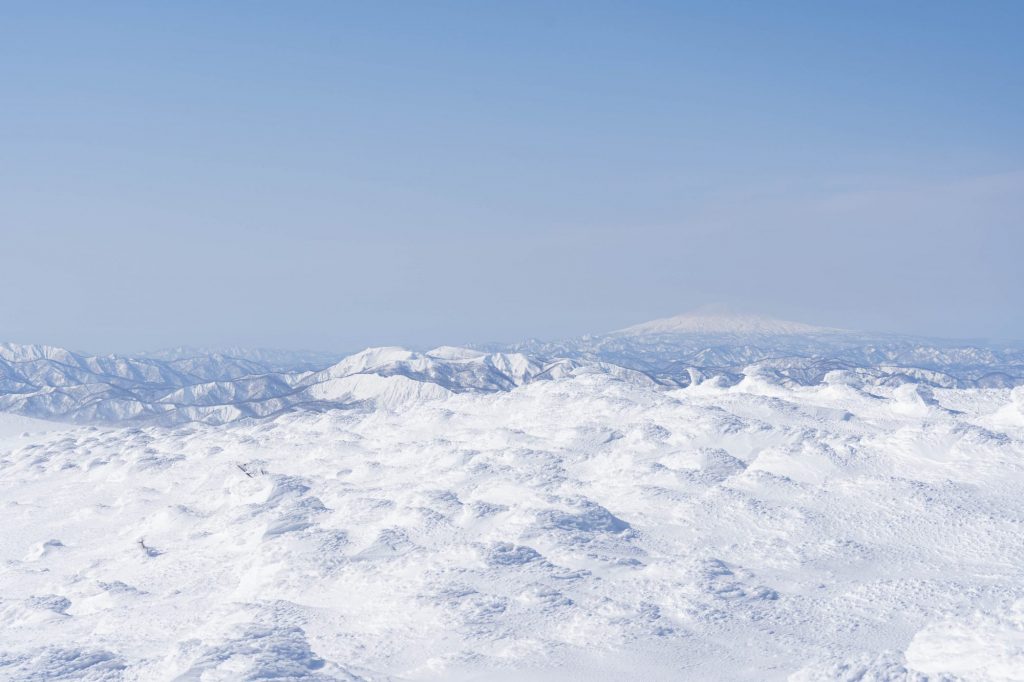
(478, 515)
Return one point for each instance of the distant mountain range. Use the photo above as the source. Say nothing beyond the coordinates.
(218, 386)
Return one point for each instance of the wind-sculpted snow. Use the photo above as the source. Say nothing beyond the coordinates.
(588, 526)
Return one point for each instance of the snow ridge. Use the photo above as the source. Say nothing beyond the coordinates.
(578, 528)
(713, 499)
(178, 386)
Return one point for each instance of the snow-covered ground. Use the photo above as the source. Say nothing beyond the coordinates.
(17, 426)
(585, 527)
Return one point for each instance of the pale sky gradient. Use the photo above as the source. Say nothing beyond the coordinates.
(335, 175)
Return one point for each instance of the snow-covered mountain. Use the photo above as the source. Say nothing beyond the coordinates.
(690, 347)
(721, 324)
(53, 383)
(270, 359)
(587, 527)
(693, 498)
(180, 386)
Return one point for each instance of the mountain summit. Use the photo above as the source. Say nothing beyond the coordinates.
(721, 323)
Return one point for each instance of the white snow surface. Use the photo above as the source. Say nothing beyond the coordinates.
(16, 425)
(591, 526)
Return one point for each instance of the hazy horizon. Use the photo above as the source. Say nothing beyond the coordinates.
(333, 177)
(700, 311)
(524, 341)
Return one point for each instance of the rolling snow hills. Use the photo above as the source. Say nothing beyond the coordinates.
(737, 500)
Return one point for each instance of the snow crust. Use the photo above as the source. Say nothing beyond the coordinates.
(701, 497)
(583, 521)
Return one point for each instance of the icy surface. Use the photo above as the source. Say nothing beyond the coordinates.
(588, 524)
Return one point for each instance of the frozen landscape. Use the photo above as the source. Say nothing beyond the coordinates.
(340, 341)
(700, 497)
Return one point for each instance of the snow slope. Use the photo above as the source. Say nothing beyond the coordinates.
(694, 498)
(584, 527)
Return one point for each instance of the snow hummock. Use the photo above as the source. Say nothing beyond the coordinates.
(591, 525)
(455, 353)
(721, 323)
(980, 646)
(12, 425)
(709, 496)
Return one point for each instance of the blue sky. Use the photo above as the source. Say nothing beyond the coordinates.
(335, 175)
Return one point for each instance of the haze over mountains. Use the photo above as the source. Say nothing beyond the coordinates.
(492, 468)
(218, 386)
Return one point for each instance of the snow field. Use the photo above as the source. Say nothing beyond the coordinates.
(581, 528)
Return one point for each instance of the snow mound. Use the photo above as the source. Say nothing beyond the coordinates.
(594, 526)
(988, 647)
(455, 353)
